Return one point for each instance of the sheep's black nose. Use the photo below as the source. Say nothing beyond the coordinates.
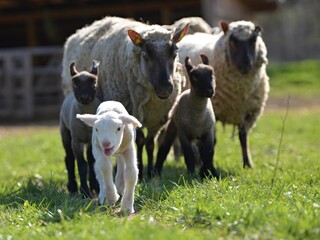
(85, 99)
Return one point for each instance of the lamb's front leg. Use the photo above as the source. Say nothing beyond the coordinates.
(108, 192)
(130, 179)
(119, 179)
(77, 148)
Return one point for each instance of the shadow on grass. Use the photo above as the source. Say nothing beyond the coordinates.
(152, 191)
(52, 203)
(46, 197)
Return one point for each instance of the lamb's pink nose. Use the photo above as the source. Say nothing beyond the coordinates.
(106, 144)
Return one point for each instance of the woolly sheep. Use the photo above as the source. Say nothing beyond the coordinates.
(239, 57)
(196, 24)
(193, 120)
(113, 135)
(140, 69)
(74, 133)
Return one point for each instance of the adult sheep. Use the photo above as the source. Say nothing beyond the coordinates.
(196, 24)
(139, 68)
(239, 58)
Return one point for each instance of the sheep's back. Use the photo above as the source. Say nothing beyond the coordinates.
(195, 44)
(196, 24)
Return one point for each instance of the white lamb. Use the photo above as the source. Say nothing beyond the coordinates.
(113, 135)
(139, 68)
(239, 58)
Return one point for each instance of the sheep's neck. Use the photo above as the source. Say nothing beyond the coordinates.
(88, 108)
(198, 103)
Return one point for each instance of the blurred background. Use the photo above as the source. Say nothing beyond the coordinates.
(33, 33)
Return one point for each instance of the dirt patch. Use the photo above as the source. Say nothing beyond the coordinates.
(20, 128)
(279, 103)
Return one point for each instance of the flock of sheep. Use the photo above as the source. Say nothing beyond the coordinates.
(161, 78)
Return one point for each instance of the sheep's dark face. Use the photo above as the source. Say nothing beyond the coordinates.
(158, 60)
(201, 78)
(157, 65)
(242, 52)
(84, 87)
(84, 84)
(202, 81)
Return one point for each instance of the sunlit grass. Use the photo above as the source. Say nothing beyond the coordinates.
(242, 204)
(299, 79)
(34, 202)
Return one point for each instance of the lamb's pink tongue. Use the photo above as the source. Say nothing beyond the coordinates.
(107, 151)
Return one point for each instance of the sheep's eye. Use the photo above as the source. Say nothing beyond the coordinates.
(118, 129)
(96, 129)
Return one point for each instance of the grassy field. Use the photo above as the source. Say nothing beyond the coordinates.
(273, 201)
(299, 79)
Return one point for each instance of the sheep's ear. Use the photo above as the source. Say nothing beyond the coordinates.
(204, 59)
(224, 26)
(94, 67)
(73, 70)
(135, 38)
(178, 35)
(128, 119)
(188, 64)
(258, 29)
(88, 119)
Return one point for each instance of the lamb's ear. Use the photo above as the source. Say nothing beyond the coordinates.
(188, 64)
(257, 30)
(135, 38)
(204, 59)
(88, 119)
(94, 67)
(73, 70)
(128, 119)
(178, 35)
(224, 26)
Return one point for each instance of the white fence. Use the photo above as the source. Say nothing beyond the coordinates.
(30, 84)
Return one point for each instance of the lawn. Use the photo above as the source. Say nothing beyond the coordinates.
(279, 199)
(299, 79)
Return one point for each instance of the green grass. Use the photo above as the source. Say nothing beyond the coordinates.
(34, 202)
(299, 79)
(243, 204)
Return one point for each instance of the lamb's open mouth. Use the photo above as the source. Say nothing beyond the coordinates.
(108, 151)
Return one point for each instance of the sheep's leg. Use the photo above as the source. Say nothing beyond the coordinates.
(130, 179)
(94, 185)
(119, 179)
(177, 150)
(206, 149)
(108, 192)
(69, 161)
(168, 139)
(82, 167)
(246, 157)
(189, 156)
(150, 149)
(140, 141)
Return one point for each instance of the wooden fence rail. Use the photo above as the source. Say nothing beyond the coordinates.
(30, 83)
